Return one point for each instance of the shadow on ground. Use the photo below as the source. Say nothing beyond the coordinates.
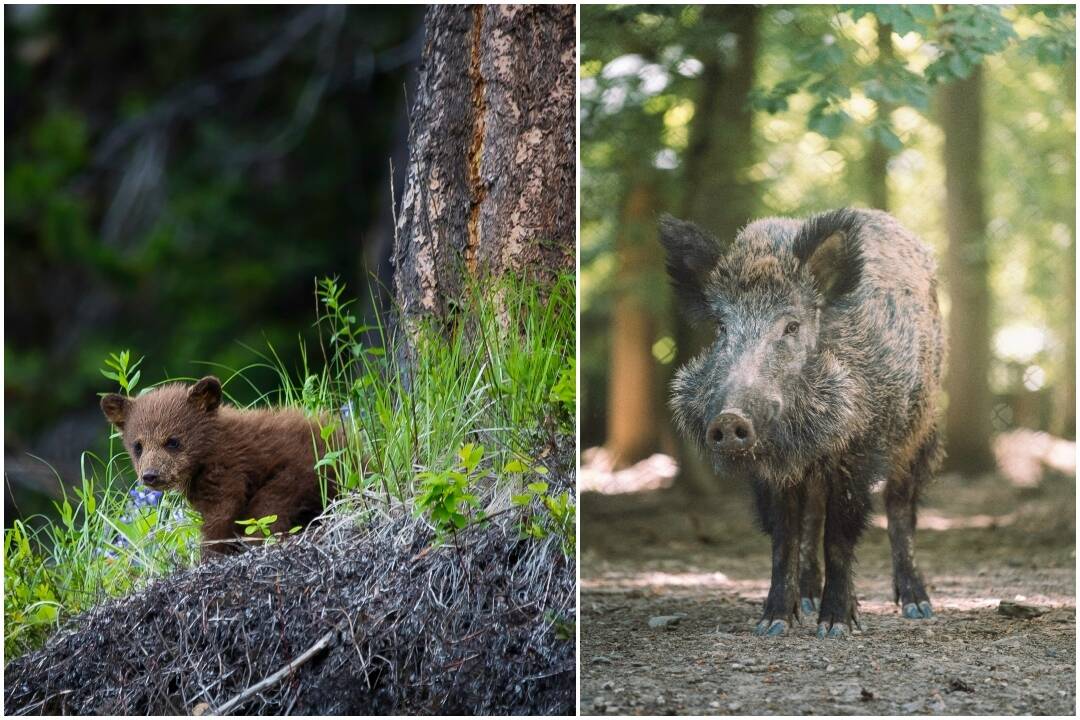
(660, 553)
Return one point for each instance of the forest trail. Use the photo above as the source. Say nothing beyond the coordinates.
(654, 554)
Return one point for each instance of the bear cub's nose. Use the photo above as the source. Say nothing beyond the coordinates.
(150, 477)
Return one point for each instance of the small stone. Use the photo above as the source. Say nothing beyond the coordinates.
(665, 621)
(601, 660)
(1022, 611)
(661, 700)
(608, 685)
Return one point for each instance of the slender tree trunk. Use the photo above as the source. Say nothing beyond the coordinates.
(968, 420)
(490, 184)
(717, 194)
(632, 393)
(1064, 415)
(877, 157)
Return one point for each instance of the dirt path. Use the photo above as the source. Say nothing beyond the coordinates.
(653, 554)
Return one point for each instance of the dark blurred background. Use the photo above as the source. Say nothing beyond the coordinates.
(176, 178)
(722, 114)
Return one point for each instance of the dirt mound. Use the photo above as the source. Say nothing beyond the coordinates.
(352, 617)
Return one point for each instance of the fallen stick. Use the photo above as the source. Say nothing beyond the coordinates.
(275, 677)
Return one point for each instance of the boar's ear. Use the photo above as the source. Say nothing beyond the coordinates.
(828, 246)
(115, 408)
(691, 255)
(206, 394)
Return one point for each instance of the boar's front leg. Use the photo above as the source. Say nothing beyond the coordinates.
(847, 509)
(810, 543)
(780, 510)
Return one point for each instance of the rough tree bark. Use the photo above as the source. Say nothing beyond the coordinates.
(717, 193)
(490, 185)
(968, 419)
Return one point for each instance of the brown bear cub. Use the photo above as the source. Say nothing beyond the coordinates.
(230, 464)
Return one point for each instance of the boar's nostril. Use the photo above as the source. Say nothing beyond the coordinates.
(731, 432)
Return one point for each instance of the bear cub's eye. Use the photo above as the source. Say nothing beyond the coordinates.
(792, 328)
(138, 450)
(721, 328)
(172, 444)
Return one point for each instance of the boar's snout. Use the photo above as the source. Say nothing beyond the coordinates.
(731, 432)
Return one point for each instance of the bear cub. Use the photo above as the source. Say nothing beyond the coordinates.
(230, 464)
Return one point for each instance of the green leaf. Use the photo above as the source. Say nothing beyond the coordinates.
(514, 466)
(538, 487)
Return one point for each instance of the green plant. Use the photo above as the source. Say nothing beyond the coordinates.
(544, 513)
(262, 526)
(445, 496)
(120, 368)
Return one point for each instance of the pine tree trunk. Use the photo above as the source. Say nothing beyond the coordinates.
(968, 419)
(632, 392)
(490, 185)
(716, 193)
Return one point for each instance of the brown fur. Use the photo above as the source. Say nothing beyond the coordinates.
(230, 464)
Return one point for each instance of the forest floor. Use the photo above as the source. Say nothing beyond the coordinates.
(659, 553)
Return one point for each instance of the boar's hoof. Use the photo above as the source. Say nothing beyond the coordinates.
(809, 606)
(918, 612)
(836, 631)
(770, 628)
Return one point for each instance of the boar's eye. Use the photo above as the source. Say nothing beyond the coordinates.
(138, 450)
(792, 328)
(172, 444)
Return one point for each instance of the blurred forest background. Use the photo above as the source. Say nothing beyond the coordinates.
(961, 122)
(176, 177)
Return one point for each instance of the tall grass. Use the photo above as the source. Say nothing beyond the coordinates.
(439, 416)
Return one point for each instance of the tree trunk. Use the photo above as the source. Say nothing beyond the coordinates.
(968, 420)
(877, 157)
(1064, 412)
(716, 192)
(632, 395)
(490, 185)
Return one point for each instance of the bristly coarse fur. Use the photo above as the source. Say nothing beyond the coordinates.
(230, 464)
(880, 344)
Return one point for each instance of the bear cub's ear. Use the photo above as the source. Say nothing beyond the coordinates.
(206, 394)
(115, 408)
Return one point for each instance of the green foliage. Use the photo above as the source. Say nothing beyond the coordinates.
(546, 513)
(262, 526)
(445, 496)
(120, 369)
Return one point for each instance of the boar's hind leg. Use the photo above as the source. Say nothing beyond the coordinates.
(901, 497)
(810, 541)
(847, 509)
(781, 517)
